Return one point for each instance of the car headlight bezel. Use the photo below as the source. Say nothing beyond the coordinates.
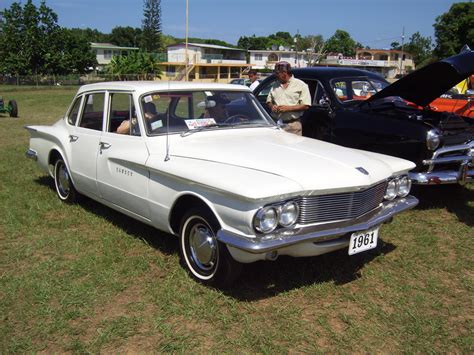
(404, 186)
(391, 191)
(433, 139)
(284, 211)
(282, 216)
(263, 217)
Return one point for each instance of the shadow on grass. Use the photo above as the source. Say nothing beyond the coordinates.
(258, 280)
(265, 279)
(162, 241)
(454, 198)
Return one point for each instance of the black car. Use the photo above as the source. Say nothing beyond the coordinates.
(359, 109)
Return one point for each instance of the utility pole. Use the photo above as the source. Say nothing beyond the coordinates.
(401, 57)
(186, 48)
(296, 48)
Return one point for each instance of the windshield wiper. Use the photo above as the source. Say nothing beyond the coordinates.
(199, 129)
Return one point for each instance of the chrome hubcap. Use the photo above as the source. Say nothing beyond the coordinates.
(63, 180)
(203, 246)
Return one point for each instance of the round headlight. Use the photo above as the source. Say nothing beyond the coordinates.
(404, 186)
(433, 139)
(266, 219)
(391, 190)
(288, 214)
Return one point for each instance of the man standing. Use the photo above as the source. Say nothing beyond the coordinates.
(253, 79)
(288, 98)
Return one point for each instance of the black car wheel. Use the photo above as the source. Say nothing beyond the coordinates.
(204, 257)
(13, 108)
(63, 183)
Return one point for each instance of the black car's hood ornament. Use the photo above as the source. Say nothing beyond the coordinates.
(430, 82)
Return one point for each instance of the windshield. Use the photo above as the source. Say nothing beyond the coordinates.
(185, 111)
(349, 89)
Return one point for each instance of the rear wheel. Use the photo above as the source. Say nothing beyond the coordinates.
(204, 257)
(13, 108)
(63, 183)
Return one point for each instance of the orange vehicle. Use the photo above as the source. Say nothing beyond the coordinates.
(461, 103)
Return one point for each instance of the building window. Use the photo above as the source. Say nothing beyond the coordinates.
(258, 57)
(107, 54)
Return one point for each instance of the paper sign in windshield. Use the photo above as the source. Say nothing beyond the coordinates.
(200, 122)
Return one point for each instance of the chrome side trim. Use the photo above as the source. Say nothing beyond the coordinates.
(318, 233)
(32, 154)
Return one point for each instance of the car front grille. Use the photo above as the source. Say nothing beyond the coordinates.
(327, 208)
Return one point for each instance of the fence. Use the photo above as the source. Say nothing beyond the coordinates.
(57, 80)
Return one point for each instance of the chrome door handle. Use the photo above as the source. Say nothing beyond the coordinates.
(104, 145)
(73, 138)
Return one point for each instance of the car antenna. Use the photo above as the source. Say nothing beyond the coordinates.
(167, 156)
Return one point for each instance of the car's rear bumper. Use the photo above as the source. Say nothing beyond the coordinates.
(328, 232)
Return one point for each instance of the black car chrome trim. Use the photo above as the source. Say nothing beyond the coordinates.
(318, 233)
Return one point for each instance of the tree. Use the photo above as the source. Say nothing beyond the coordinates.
(253, 42)
(341, 42)
(315, 48)
(151, 25)
(125, 36)
(280, 39)
(420, 47)
(76, 54)
(31, 42)
(137, 65)
(91, 35)
(454, 29)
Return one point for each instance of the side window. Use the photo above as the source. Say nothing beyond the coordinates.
(72, 117)
(122, 115)
(320, 98)
(340, 89)
(93, 113)
(262, 95)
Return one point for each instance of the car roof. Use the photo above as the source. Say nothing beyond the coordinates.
(148, 86)
(332, 72)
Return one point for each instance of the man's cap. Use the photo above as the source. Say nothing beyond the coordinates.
(282, 66)
(220, 98)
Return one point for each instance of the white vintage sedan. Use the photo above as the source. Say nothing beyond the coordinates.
(205, 162)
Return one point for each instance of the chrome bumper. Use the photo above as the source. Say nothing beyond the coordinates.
(463, 155)
(319, 233)
(32, 154)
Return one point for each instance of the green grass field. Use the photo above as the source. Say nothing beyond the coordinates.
(84, 278)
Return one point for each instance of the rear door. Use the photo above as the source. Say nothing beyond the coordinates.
(85, 142)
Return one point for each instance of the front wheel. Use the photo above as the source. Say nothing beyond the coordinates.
(204, 257)
(63, 183)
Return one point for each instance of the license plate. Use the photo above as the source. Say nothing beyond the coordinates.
(364, 240)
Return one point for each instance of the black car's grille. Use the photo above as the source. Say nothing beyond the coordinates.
(326, 208)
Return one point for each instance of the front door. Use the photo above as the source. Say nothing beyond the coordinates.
(121, 176)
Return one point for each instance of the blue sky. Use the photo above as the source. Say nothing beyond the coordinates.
(375, 23)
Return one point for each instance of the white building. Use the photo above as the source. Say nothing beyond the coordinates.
(105, 51)
(206, 62)
(388, 63)
(266, 59)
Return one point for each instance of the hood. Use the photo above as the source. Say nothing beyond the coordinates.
(250, 158)
(430, 82)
